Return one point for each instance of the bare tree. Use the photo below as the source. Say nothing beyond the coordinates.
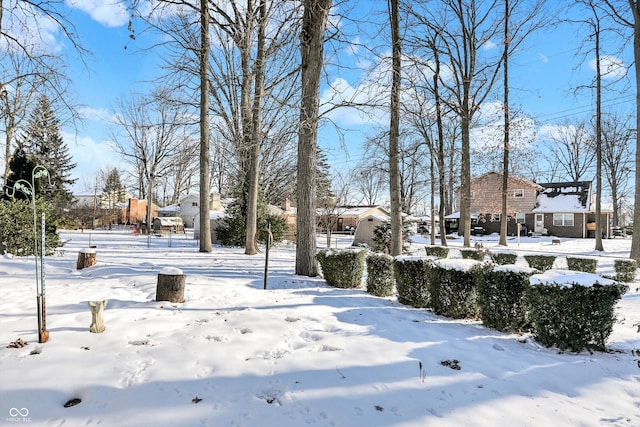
(394, 131)
(314, 24)
(627, 13)
(572, 149)
(149, 131)
(463, 28)
(617, 134)
(367, 180)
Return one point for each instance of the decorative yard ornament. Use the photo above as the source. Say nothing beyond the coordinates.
(97, 316)
(29, 189)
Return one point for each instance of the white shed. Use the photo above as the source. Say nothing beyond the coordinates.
(364, 230)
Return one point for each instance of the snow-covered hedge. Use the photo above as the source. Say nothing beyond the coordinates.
(504, 257)
(471, 253)
(572, 310)
(437, 251)
(625, 269)
(501, 297)
(342, 268)
(380, 281)
(540, 262)
(452, 286)
(411, 282)
(587, 265)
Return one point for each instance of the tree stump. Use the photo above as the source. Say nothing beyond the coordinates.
(97, 316)
(86, 258)
(170, 286)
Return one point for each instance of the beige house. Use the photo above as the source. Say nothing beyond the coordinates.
(350, 216)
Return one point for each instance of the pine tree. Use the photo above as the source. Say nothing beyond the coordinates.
(43, 141)
(113, 190)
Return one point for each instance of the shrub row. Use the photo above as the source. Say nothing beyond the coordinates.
(561, 308)
(625, 268)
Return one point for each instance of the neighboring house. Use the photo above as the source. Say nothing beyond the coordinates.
(567, 209)
(137, 211)
(486, 204)
(350, 216)
(187, 209)
(563, 209)
(289, 214)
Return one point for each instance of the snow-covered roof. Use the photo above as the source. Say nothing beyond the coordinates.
(170, 208)
(564, 197)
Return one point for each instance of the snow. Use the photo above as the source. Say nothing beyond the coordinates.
(456, 264)
(560, 203)
(298, 353)
(566, 278)
(171, 271)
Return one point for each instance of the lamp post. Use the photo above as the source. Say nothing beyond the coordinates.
(29, 189)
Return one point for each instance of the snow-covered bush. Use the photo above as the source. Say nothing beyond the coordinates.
(504, 257)
(540, 262)
(587, 265)
(342, 268)
(501, 297)
(437, 251)
(625, 269)
(380, 280)
(572, 310)
(471, 253)
(411, 282)
(452, 286)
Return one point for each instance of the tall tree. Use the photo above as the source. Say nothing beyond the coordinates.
(627, 12)
(394, 130)
(571, 149)
(43, 140)
(314, 23)
(617, 154)
(463, 28)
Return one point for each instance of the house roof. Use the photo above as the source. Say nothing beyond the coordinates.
(358, 211)
(565, 197)
(513, 180)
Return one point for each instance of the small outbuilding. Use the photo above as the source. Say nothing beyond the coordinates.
(364, 230)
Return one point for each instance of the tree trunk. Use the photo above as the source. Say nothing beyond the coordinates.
(314, 22)
(253, 175)
(86, 258)
(635, 240)
(465, 176)
(599, 246)
(205, 222)
(504, 217)
(394, 133)
(170, 287)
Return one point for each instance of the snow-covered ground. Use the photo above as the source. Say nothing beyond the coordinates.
(299, 353)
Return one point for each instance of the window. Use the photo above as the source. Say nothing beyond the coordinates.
(563, 220)
(194, 204)
(495, 217)
(520, 218)
(518, 193)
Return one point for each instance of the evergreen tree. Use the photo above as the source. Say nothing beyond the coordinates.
(113, 191)
(323, 179)
(21, 167)
(43, 140)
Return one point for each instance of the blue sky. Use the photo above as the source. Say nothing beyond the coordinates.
(542, 77)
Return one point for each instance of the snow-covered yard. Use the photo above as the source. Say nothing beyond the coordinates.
(298, 353)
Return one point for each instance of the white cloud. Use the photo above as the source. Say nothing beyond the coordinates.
(111, 13)
(611, 67)
(90, 157)
(33, 31)
(98, 114)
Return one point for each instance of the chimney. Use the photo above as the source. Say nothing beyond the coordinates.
(286, 205)
(216, 205)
